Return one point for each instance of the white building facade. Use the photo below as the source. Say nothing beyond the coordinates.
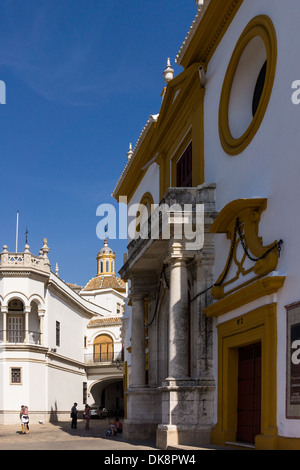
(47, 349)
(210, 325)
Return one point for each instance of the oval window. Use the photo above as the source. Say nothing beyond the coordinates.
(247, 85)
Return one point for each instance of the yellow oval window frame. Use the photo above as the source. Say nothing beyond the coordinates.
(263, 27)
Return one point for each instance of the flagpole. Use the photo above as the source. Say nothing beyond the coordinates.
(17, 229)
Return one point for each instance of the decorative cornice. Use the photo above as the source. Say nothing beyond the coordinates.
(207, 31)
(265, 286)
(191, 31)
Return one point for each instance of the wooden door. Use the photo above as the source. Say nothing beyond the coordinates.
(249, 393)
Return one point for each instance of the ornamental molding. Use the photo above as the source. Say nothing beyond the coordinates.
(248, 259)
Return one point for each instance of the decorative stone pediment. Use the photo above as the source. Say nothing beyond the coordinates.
(177, 101)
(248, 258)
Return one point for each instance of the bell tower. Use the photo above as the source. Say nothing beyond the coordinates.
(105, 260)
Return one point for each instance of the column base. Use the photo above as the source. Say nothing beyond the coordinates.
(134, 430)
(168, 436)
(143, 413)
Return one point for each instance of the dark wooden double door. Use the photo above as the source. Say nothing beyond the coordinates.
(249, 393)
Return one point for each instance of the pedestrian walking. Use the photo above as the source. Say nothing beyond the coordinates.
(21, 413)
(74, 416)
(24, 416)
(87, 415)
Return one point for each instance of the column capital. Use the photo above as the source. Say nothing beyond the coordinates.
(137, 294)
(177, 254)
(4, 309)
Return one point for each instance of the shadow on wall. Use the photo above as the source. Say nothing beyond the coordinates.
(53, 414)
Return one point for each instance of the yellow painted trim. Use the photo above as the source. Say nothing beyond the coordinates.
(259, 26)
(288, 443)
(255, 290)
(258, 325)
(146, 200)
(223, 222)
(210, 31)
(248, 211)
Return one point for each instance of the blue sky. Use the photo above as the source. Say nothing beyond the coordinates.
(82, 78)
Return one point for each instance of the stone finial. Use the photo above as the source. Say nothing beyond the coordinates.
(5, 248)
(26, 248)
(45, 249)
(130, 152)
(56, 269)
(199, 3)
(169, 72)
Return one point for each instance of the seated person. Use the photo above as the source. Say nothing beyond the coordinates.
(118, 425)
(112, 424)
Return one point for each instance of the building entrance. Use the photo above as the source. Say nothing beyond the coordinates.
(249, 393)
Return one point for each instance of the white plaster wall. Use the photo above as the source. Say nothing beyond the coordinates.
(150, 183)
(72, 328)
(25, 286)
(32, 390)
(64, 389)
(269, 167)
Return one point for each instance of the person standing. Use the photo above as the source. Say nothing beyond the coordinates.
(24, 419)
(87, 415)
(21, 414)
(74, 416)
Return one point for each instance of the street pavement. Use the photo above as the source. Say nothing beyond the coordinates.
(59, 436)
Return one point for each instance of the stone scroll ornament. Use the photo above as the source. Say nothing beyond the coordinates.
(248, 259)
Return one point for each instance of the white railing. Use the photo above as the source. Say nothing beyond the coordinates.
(16, 336)
(25, 259)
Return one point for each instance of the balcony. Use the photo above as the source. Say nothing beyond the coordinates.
(114, 357)
(20, 337)
(25, 261)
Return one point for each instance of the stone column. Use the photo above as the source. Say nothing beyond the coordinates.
(137, 341)
(27, 310)
(4, 310)
(178, 317)
(41, 314)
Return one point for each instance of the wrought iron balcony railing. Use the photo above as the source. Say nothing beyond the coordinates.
(113, 357)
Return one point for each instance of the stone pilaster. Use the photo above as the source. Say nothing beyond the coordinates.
(137, 341)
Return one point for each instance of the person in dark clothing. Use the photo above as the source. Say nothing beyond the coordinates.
(74, 416)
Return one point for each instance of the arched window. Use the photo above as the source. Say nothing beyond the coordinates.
(144, 212)
(107, 266)
(103, 349)
(15, 321)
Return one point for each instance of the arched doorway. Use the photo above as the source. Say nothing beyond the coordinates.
(108, 393)
(103, 348)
